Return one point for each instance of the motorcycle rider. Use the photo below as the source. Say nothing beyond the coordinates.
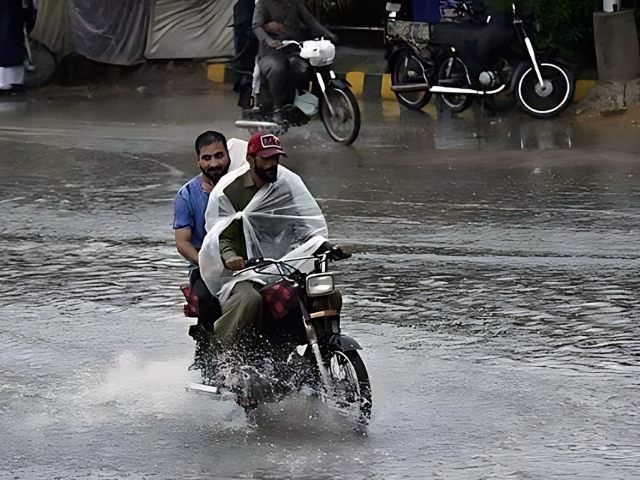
(242, 309)
(189, 215)
(273, 22)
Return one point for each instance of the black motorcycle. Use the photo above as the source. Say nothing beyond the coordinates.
(304, 348)
(489, 62)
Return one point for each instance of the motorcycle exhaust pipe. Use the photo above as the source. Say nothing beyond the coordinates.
(253, 124)
(414, 87)
(465, 91)
(422, 87)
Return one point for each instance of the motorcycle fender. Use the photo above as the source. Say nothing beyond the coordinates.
(343, 343)
(395, 53)
(339, 83)
(520, 69)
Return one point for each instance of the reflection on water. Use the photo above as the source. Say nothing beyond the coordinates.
(436, 126)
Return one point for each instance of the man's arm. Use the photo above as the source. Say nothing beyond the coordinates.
(184, 246)
(257, 24)
(227, 241)
(182, 224)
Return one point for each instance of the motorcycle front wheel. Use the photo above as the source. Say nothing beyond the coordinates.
(350, 383)
(407, 70)
(344, 124)
(545, 102)
(453, 73)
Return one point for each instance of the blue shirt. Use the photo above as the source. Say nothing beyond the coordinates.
(189, 209)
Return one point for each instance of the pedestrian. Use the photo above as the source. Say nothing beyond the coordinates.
(11, 45)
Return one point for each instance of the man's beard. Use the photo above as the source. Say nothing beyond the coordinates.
(268, 175)
(215, 173)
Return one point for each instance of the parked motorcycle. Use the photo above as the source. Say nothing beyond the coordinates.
(303, 349)
(330, 98)
(543, 86)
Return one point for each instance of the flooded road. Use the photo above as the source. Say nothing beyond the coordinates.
(495, 291)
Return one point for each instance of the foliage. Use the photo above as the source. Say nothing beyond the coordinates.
(563, 27)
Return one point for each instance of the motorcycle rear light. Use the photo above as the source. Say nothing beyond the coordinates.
(319, 284)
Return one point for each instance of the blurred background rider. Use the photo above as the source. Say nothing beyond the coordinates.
(273, 22)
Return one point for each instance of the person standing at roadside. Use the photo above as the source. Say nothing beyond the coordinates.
(11, 46)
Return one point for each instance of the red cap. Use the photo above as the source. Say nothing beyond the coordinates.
(265, 145)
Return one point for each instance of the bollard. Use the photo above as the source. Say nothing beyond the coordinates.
(616, 42)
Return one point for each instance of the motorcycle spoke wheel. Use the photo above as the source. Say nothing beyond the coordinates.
(344, 125)
(542, 103)
(408, 70)
(350, 389)
(453, 73)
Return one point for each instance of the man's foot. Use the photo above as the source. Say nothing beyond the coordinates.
(247, 403)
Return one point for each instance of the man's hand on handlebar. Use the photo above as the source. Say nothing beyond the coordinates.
(341, 252)
(275, 44)
(235, 263)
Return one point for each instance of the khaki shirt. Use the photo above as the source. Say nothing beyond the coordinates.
(239, 192)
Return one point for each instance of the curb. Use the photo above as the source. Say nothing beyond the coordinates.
(367, 85)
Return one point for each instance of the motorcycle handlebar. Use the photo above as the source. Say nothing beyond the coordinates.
(335, 253)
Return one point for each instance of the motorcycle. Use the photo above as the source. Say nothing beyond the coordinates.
(304, 349)
(543, 86)
(329, 98)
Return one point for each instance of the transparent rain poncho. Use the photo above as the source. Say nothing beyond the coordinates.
(281, 221)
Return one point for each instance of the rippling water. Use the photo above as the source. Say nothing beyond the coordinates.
(496, 295)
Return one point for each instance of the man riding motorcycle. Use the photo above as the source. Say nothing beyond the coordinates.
(273, 22)
(261, 210)
(214, 161)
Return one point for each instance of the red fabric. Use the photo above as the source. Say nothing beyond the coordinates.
(279, 298)
(191, 307)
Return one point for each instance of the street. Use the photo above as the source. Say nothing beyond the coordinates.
(495, 290)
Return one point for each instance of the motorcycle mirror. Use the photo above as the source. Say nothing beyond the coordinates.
(393, 7)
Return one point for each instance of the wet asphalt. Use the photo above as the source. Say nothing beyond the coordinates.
(495, 291)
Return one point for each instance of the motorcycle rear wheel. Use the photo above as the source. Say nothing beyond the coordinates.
(407, 70)
(537, 102)
(344, 125)
(351, 386)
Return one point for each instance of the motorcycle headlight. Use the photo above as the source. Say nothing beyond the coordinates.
(320, 284)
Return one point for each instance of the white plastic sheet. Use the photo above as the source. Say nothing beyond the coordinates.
(281, 221)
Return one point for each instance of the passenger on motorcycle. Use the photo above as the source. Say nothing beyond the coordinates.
(272, 206)
(189, 212)
(273, 22)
